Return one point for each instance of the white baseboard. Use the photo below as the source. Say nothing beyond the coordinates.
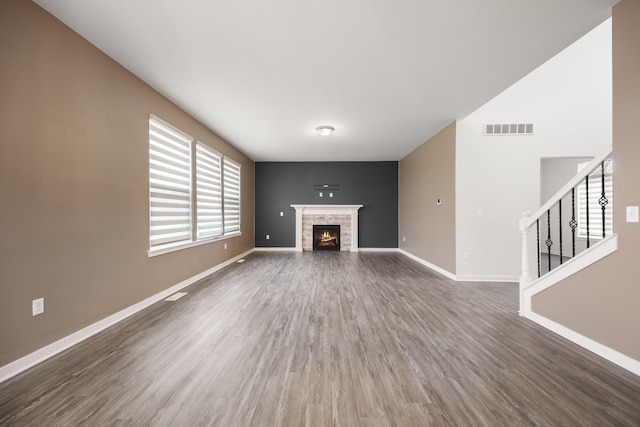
(598, 251)
(274, 249)
(428, 264)
(470, 278)
(51, 350)
(377, 249)
(601, 350)
(610, 354)
(278, 249)
(456, 277)
(32, 359)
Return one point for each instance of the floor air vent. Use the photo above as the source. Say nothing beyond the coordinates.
(176, 296)
(509, 129)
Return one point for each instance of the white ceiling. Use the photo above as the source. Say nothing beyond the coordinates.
(387, 75)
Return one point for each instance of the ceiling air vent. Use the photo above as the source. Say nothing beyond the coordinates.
(509, 129)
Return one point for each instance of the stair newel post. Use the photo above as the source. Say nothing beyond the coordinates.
(525, 277)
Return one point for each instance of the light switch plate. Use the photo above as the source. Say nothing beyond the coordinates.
(632, 214)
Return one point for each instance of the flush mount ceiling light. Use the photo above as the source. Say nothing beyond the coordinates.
(324, 130)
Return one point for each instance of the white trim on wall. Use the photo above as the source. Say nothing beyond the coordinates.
(274, 249)
(471, 278)
(38, 356)
(601, 350)
(452, 276)
(428, 264)
(277, 249)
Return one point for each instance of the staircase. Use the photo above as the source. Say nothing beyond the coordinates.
(571, 231)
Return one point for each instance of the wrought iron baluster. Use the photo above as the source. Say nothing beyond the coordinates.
(586, 183)
(582, 219)
(538, 240)
(573, 223)
(560, 226)
(549, 242)
(603, 201)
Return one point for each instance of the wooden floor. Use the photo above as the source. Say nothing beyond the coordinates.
(326, 338)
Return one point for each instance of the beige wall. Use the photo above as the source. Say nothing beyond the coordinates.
(424, 175)
(601, 302)
(74, 184)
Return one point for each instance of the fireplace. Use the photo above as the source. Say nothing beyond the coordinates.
(344, 215)
(326, 237)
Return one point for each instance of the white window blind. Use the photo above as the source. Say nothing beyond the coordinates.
(169, 186)
(194, 193)
(208, 192)
(231, 184)
(594, 207)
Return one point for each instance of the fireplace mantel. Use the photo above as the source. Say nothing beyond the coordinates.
(351, 210)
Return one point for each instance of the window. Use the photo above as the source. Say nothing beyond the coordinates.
(594, 207)
(209, 195)
(231, 196)
(194, 193)
(169, 186)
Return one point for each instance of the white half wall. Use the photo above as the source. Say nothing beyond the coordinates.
(569, 101)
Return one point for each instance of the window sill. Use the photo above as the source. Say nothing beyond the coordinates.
(189, 245)
(591, 238)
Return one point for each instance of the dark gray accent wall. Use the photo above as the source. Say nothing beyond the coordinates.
(281, 184)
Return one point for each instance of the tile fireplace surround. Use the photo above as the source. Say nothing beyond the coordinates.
(344, 215)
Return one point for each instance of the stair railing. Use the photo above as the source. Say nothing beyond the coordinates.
(586, 217)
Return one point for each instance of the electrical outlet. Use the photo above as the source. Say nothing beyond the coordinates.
(404, 239)
(281, 213)
(465, 255)
(37, 306)
(267, 237)
(225, 246)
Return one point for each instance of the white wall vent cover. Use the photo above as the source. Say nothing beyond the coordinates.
(509, 129)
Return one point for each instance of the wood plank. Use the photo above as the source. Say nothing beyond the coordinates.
(326, 339)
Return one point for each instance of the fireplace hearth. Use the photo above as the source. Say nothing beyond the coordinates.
(326, 237)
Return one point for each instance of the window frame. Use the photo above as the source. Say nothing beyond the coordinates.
(203, 176)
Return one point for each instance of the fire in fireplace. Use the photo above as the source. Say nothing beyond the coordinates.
(326, 237)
